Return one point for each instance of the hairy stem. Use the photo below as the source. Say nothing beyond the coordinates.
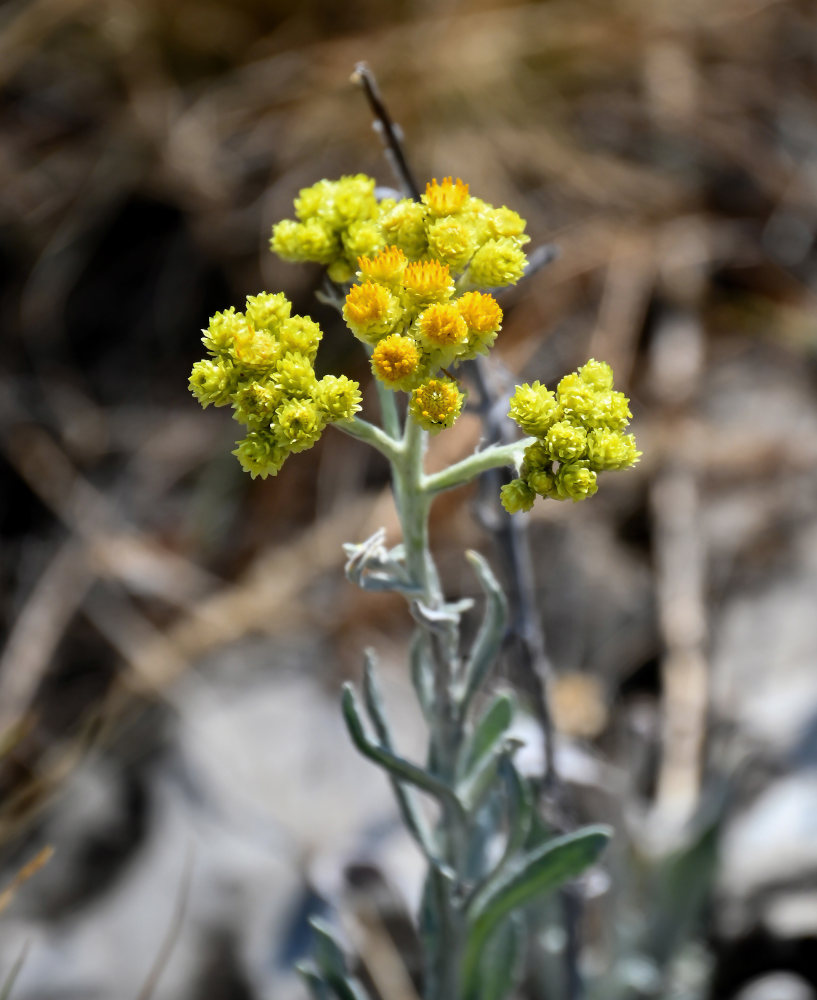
(378, 439)
(492, 457)
(446, 722)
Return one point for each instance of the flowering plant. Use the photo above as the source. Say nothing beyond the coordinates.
(414, 280)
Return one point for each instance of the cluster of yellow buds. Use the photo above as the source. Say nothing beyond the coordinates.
(339, 221)
(579, 431)
(477, 242)
(262, 362)
(419, 266)
(406, 312)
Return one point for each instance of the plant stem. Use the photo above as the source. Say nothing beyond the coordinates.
(492, 457)
(378, 439)
(447, 723)
(388, 409)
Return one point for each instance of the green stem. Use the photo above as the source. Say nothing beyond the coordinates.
(447, 711)
(388, 409)
(462, 472)
(380, 441)
(446, 722)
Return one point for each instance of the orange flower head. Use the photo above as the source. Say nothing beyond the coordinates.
(428, 281)
(441, 325)
(386, 268)
(395, 360)
(367, 303)
(480, 311)
(447, 198)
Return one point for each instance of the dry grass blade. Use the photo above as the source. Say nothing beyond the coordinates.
(39, 627)
(40, 859)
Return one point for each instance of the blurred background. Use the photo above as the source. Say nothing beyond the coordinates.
(175, 634)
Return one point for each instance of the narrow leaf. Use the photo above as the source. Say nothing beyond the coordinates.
(435, 927)
(389, 761)
(520, 810)
(489, 730)
(409, 810)
(422, 672)
(535, 873)
(330, 964)
(500, 964)
(315, 983)
(492, 631)
(482, 778)
(328, 953)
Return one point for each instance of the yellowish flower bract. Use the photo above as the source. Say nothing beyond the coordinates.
(404, 225)
(579, 432)
(339, 396)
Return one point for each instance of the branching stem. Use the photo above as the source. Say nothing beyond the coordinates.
(493, 457)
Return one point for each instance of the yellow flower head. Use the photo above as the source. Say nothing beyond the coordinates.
(256, 348)
(255, 403)
(446, 198)
(219, 337)
(497, 263)
(579, 431)
(436, 404)
(441, 325)
(396, 360)
(261, 454)
(211, 382)
(505, 222)
(339, 397)
(299, 423)
(384, 269)
(427, 281)
(360, 239)
(516, 496)
(371, 311)
(403, 225)
(451, 241)
(482, 316)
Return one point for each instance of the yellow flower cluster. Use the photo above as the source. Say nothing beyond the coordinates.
(406, 312)
(261, 361)
(339, 221)
(419, 266)
(480, 244)
(580, 432)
